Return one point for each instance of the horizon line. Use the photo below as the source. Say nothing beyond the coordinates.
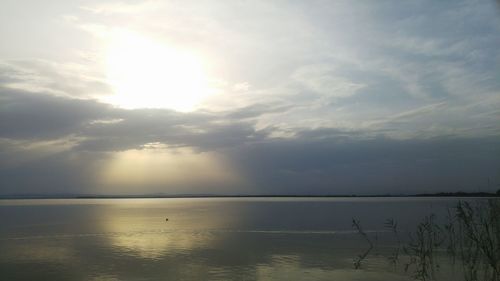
(152, 196)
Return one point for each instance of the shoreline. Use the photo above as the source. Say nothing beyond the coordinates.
(438, 195)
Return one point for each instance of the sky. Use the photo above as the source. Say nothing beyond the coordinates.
(249, 97)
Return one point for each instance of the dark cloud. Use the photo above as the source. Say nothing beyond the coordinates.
(60, 173)
(138, 127)
(127, 135)
(38, 116)
(322, 161)
(313, 161)
(26, 115)
(257, 110)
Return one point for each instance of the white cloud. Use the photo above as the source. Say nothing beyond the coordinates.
(323, 79)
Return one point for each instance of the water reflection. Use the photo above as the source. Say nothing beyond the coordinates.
(142, 229)
(204, 239)
(49, 251)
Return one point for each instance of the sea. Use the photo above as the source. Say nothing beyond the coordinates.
(215, 238)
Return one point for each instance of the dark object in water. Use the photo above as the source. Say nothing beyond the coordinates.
(166, 219)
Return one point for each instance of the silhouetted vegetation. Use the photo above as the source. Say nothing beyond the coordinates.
(393, 227)
(361, 257)
(422, 248)
(459, 194)
(470, 236)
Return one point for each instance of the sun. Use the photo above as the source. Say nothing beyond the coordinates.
(144, 73)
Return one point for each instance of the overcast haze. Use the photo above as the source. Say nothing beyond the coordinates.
(249, 97)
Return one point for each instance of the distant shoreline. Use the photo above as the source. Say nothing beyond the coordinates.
(423, 195)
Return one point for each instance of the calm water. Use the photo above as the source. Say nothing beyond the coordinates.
(204, 239)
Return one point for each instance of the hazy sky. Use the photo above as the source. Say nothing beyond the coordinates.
(256, 97)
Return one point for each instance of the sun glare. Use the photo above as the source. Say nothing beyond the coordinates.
(147, 74)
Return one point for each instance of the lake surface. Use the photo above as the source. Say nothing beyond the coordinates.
(206, 238)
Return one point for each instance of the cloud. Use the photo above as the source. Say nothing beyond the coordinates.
(104, 128)
(324, 81)
(119, 7)
(331, 161)
(63, 172)
(337, 97)
(26, 115)
(63, 79)
(257, 110)
(77, 139)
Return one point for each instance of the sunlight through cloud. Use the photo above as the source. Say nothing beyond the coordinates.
(145, 73)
